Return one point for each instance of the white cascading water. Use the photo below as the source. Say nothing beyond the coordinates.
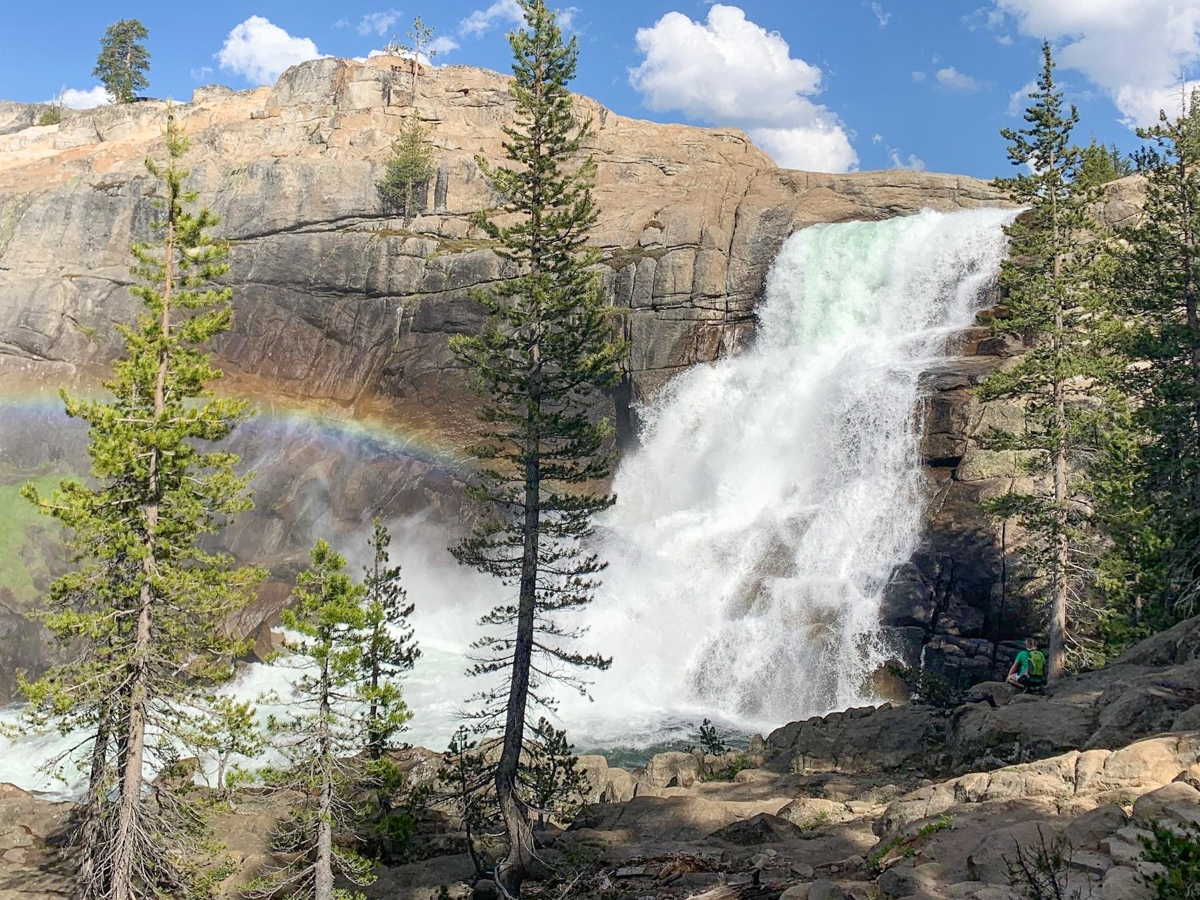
(772, 497)
(776, 492)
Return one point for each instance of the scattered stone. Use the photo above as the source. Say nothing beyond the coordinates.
(761, 829)
(825, 890)
(1123, 883)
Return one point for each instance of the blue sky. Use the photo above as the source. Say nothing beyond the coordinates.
(822, 84)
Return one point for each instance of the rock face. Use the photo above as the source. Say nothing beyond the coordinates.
(337, 301)
(345, 310)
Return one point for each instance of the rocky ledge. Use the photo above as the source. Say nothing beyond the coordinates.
(898, 802)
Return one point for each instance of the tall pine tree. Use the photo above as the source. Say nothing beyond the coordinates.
(1153, 510)
(123, 60)
(545, 353)
(1050, 302)
(146, 610)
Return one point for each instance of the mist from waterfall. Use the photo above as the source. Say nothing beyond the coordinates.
(772, 496)
(775, 492)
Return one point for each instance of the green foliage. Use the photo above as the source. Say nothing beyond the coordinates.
(1178, 852)
(123, 60)
(545, 354)
(50, 116)
(230, 730)
(322, 736)
(144, 613)
(710, 739)
(23, 544)
(552, 785)
(469, 783)
(927, 687)
(728, 771)
(408, 170)
(1052, 304)
(388, 649)
(1100, 164)
(1149, 492)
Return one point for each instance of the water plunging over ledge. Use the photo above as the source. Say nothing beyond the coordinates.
(772, 497)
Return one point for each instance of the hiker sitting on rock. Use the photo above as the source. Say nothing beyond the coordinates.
(1029, 668)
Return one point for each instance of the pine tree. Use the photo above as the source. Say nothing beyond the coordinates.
(1100, 164)
(1153, 508)
(421, 38)
(123, 60)
(231, 729)
(545, 352)
(322, 737)
(145, 613)
(389, 650)
(408, 170)
(1050, 301)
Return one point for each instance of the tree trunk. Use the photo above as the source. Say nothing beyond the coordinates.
(515, 867)
(128, 828)
(90, 882)
(323, 875)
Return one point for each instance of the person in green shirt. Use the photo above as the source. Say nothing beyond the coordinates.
(1029, 668)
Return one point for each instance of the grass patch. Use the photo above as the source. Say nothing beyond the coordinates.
(908, 846)
(18, 517)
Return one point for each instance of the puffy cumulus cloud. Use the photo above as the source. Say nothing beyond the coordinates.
(727, 70)
(953, 80)
(261, 51)
(378, 22)
(1132, 49)
(72, 98)
(501, 12)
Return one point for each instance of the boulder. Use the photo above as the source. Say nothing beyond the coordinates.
(1088, 830)
(992, 858)
(761, 829)
(813, 812)
(1124, 883)
(1153, 806)
(674, 769)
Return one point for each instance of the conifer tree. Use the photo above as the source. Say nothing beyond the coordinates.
(389, 650)
(421, 38)
(408, 170)
(1100, 164)
(1152, 505)
(1051, 302)
(123, 60)
(145, 611)
(322, 736)
(545, 352)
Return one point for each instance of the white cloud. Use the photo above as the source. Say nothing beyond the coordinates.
(882, 16)
(378, 22)
(261, 52)
(912, 161)
(201, 73)
(918, 76)
(1018, 100)
(953, 80)
(483, 20)
(730, 71)
(72, 98)
(1133, 50)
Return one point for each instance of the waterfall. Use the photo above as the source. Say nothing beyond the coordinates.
(772, 497)
(775, 492)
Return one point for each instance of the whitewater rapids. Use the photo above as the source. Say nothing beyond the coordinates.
(771, 498)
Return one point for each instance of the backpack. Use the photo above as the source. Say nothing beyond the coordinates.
(1037, 666)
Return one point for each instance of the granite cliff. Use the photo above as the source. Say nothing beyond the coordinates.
(342, 311)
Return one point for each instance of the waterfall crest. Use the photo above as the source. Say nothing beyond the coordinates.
(775, 493)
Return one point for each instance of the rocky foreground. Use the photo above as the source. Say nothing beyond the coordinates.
(897, 802)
